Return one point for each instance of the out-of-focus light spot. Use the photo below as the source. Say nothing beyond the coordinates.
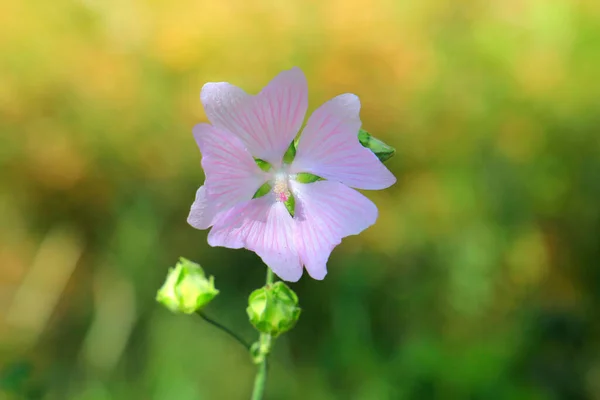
(115, 314)
(40, 291)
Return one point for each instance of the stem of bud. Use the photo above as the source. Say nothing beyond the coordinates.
(259, 381)
(265, 342)
(224, 329)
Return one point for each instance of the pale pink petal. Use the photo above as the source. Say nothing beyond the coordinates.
(266, 123)
(326, 212)
(329, 147)
(232, 175)
(201, 213)
(264, 226)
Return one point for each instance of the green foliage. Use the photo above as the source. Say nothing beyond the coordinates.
(479, 280)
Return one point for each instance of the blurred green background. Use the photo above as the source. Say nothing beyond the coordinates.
(479, 281)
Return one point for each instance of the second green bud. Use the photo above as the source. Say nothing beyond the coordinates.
(273, 309)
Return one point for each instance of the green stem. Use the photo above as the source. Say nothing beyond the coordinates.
(224, 329)
(270, 276)
(265, 345)
(260, 380)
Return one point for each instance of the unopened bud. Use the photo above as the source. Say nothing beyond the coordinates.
(186, 289)
(273, 309)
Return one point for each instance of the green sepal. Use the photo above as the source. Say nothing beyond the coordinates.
(260, 349)
(382, 150)
(290, 204)
(258, 353)
(262, 164)
(305, 177)
(264, 189)
(290, 154)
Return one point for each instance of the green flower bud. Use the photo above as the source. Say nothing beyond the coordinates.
(186, 289)
(273, 309)
(382, 150)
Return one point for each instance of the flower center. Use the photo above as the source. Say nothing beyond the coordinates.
(280, 188)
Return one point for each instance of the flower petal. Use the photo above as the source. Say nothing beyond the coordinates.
(326, 212)
(329, 147)
(265, 227)
(201, 213)
(266, 123)
(232, 175)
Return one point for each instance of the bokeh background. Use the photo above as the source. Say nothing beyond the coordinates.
(480, 280)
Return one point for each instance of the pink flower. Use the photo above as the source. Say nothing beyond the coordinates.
(244, 128)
